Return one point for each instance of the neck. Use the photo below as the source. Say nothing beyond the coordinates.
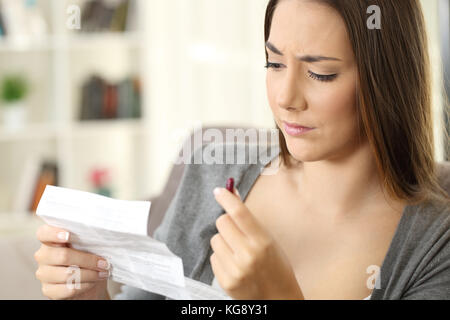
(339, 187)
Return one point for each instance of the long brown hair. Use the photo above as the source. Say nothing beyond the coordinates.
(394, 97)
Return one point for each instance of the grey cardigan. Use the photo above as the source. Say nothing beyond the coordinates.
(416, 266)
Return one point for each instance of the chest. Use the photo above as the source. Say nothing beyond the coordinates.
(331, 259)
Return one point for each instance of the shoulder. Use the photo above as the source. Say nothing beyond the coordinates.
(417, 265)
(427, 227)
(194, 207)
(443, 173)
(431, 219)
(212, 164)
(424, 240)
(429, 222)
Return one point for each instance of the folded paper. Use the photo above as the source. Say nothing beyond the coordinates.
(117, 231)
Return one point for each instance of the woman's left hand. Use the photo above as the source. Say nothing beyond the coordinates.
(247, 262)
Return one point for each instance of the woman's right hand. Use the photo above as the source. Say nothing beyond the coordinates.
(60, 265)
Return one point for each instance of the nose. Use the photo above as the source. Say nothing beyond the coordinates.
(290, 96)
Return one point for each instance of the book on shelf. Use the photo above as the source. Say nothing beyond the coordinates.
(38, 172)
(129, 104)
(101, 99)
(92, 98)
(2, 25)
(48, 176)
(119, 18)
(101, 16)
(25, 190)
(110, 102)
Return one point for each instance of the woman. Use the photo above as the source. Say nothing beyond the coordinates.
(356, 194)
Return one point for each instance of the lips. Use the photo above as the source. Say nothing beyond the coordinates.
(297, 126)
(294, 129)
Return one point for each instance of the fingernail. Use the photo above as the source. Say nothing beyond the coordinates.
(63, 235)
(103, 274)
(217, 191)
(103, 264)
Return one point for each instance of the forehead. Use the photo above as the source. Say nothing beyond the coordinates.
(300, 26)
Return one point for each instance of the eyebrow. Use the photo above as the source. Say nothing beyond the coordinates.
(306, 58)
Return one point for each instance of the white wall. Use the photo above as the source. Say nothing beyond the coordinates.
(208, 61)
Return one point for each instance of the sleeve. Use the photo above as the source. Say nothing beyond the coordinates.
(435, 283)
(434, 280)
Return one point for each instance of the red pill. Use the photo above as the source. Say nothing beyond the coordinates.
(230, 185)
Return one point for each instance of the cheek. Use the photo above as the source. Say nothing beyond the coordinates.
(335, 108)
(271, 93)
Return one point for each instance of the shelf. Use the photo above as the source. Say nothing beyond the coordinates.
(95, 127)
(25, 44)
(88, 40)
(76, 129)
(72, 41)
(30, 132)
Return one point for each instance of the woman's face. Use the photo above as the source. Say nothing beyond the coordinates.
(319, 94)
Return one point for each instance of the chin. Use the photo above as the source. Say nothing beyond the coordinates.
(301, 151)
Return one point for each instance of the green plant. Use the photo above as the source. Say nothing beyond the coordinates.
(13, 88)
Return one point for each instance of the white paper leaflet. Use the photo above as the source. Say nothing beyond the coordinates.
(117, 231)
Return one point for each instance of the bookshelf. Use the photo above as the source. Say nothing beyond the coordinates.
(57, 64)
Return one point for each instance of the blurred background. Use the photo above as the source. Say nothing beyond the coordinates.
(98, 96)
